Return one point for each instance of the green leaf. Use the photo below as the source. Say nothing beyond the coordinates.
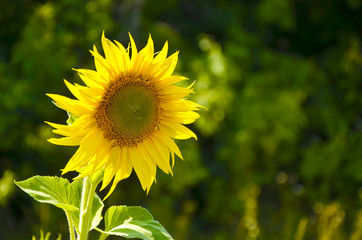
(59, 192)
(97, 206)
(52, 190)
(133, 222)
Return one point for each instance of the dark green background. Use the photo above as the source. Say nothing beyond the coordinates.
(279, 146)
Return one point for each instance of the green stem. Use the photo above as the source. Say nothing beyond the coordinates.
(103, 236)
(86, 207)
(70, 223)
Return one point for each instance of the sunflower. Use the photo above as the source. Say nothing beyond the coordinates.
(127, 115)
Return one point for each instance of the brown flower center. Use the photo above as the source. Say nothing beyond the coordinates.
(128, 112)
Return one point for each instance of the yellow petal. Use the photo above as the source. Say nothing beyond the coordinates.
(83, 122)
(77, 161)
(123, 172)
(92, 141)
(101, 159)
(108, 174)
(113, 166)
(126, 165)
(134, 50)
(169, 142)
(141, 168)
(168, 66)
(174, 92)
(144, 59)
(75, 134)
(93, 93)
(169, 80)
(172, 132)
(181, 105)
(109, 53)
(122, 58)
(78, 94)
(181, 117)
(74, 106)
(66, 141)
(114, 184)
(161, 56)
(98, 161)
(163, 151)
(102, 65)
(147, 158)
(88, 147)
(92, 78)
(157, 156)
(180, 129)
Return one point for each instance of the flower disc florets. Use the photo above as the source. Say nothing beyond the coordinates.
(129, 111)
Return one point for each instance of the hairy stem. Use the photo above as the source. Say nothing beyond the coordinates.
(86, 207)
(70, 223)
(103, 236)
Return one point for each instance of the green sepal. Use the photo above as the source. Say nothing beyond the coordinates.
(132, 222)
(71, 118)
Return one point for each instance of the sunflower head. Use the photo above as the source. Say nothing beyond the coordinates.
(127, 114)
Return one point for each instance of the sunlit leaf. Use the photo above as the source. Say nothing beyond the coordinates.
(52, 190)
(61, 193)
(133, 222)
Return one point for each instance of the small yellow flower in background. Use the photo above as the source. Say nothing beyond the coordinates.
(128, 114)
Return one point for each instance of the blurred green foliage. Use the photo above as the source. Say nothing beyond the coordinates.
(279, 154)
(46, 236)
